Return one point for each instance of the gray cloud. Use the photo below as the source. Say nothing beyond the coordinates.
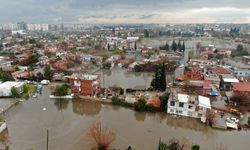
(125, 11)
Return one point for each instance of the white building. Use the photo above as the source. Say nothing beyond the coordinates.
(189, 106)
(37, 27)
(5, 88)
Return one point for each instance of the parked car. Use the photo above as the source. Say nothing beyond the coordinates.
(45, 82)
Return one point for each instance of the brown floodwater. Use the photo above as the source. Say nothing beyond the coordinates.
(68, 122)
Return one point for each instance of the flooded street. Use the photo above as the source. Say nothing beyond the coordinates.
(68, 121)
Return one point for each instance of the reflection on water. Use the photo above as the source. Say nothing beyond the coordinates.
(121, 78)
(61, 104)
(83, 107)
(27, 124)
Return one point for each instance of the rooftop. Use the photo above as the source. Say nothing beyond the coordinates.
(241, 87)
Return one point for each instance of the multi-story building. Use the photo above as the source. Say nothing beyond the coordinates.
(188, 105)
(85, 85)
(37, 27)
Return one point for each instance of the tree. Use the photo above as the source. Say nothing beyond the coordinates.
(174, 46)
(108, 47)
(166, 47)
(183, 46)
(210, 116)
(146, 33)
(39, 76)
(32, 41)
(99, 137)
(61, 90)
(155, 81)
(179, 46)
(14, 92)
(47, 72)
(164, 100)
(159, 80)
(163, 83)
(239, 48)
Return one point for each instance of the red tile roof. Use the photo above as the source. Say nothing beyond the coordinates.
(155, 102)
(221, 70)
(241, 87)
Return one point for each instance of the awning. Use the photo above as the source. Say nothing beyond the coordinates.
(213, 93)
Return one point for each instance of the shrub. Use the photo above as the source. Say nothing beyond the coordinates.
(150, 107)
(25, 88)
(195, 147)
(14, 92)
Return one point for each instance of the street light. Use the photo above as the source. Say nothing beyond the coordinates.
(47, 134)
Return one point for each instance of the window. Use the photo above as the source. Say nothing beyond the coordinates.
(172, 103)
(179, 111)
(181, 104)
(199, 115)
(190, 113)
(190, 106)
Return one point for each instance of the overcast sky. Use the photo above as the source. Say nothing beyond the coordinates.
(125, 11)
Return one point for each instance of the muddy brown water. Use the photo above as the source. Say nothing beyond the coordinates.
(69, 120)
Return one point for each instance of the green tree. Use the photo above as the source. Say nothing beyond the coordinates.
(146, 33)
(34, 59)
(183, 46)
(25, 88)
(14, 92)
(61, 90)
(164, 100)
(162, 79)
(174, 46)
(239, 48)
(179, 46)
(32, 41)
(47, 72)
(39, 76)
(156, 79)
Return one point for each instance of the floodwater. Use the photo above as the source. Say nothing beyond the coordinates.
(120, 77)
(68, 122)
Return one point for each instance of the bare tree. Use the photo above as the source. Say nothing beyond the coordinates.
(210, 116)
(99, 137)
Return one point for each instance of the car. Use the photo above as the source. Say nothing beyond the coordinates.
(45, 82)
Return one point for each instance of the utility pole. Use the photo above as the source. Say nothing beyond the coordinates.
(47, 141)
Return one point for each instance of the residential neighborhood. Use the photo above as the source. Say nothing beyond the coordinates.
(165, 86)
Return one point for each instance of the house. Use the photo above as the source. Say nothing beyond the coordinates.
(241, 73)
(21, 75)
(5, 88)
(188, 105)
(4, 62)
(220, 70)
(246, 59)
(85, 85)
(227, 81)
(43, 60)
(242, 87)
